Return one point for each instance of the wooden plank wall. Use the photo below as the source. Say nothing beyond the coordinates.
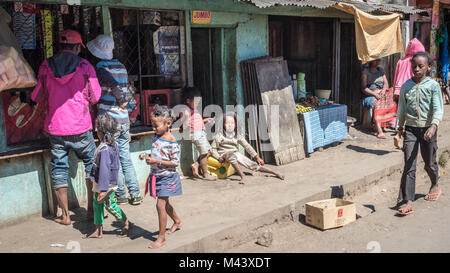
(350, 76)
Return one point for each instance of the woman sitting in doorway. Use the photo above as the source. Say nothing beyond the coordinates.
(378, 96)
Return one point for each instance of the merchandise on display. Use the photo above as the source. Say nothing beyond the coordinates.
(24, 25)
(47, 27)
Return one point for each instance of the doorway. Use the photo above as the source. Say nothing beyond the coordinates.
(214, 64)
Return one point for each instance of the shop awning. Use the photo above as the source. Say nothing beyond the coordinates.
(322, 4)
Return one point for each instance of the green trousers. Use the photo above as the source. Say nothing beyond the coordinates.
(111, 206)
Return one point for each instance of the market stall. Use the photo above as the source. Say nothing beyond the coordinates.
(31, 36)
(150, 43)
(323, 125)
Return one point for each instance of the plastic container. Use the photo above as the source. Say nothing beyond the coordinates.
(301, 76)
(301, 86)
(323, 94)
(221, 170)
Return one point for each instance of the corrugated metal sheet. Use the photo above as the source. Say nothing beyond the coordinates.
(322, 4)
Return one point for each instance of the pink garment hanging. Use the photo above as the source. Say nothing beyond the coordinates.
(403, 71)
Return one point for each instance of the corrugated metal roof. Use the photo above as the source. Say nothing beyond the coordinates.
(322, 4)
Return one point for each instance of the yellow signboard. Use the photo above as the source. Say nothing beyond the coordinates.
(201, 17)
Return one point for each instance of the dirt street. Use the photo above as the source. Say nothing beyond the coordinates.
(426, 230)
(208, 208)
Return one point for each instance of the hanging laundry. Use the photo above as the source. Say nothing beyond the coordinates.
(47, 25)
(29, 8)
(60, 21)
(443, 60)
(18, 7)
(98, 16)
(377, 36)
(24, 27)
(76, 16)
(87, 11)
(64, 9)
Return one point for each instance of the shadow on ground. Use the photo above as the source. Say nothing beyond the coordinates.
(367, 151)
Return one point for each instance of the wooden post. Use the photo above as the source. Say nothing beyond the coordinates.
(107, 27)
(433, 33)
(336, 59)
(48, 182)
(190, 67)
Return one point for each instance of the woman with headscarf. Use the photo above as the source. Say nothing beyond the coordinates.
(403, 71)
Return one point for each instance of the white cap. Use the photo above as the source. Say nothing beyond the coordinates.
(101, 47)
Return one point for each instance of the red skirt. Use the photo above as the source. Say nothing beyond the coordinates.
(385, 109)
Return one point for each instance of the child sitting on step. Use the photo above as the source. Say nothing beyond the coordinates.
(225, 148)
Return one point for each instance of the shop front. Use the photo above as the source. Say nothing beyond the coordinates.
(165, 46)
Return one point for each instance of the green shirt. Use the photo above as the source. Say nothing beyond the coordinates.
(420, 105)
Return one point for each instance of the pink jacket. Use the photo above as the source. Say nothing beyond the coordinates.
(68, 97)
(403, 71)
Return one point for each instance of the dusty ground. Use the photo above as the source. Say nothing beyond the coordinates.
(209, 207)
(426, 230)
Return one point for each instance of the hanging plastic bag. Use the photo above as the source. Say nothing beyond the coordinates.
(15, 72)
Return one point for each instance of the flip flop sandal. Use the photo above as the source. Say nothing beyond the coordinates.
(405, 211)
(433, 196)
(105, 197)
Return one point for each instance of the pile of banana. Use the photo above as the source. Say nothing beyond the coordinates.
(303, 109)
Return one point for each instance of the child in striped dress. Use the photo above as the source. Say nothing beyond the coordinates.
(164, 179)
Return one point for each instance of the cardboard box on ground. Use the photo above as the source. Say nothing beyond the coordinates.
(330, 213)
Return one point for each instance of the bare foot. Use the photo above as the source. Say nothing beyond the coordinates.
(126, 229)
(279, 175)
(95, 235)
(242, 180)
(210, 178)
(158, 243)
(434, 189)
(63, 221)
(175, 227)
(194, 168)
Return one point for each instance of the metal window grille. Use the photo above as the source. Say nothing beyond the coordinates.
(149, 45)
(38, 42)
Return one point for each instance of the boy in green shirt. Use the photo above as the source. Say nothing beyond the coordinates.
(421, 109)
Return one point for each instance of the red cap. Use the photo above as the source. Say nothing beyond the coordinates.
(69, 36)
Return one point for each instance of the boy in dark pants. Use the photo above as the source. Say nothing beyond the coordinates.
(421, 108)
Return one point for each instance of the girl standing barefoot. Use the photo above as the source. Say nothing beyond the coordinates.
(164, 178)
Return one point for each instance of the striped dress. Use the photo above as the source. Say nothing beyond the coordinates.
(113, 78)
(167, 180)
